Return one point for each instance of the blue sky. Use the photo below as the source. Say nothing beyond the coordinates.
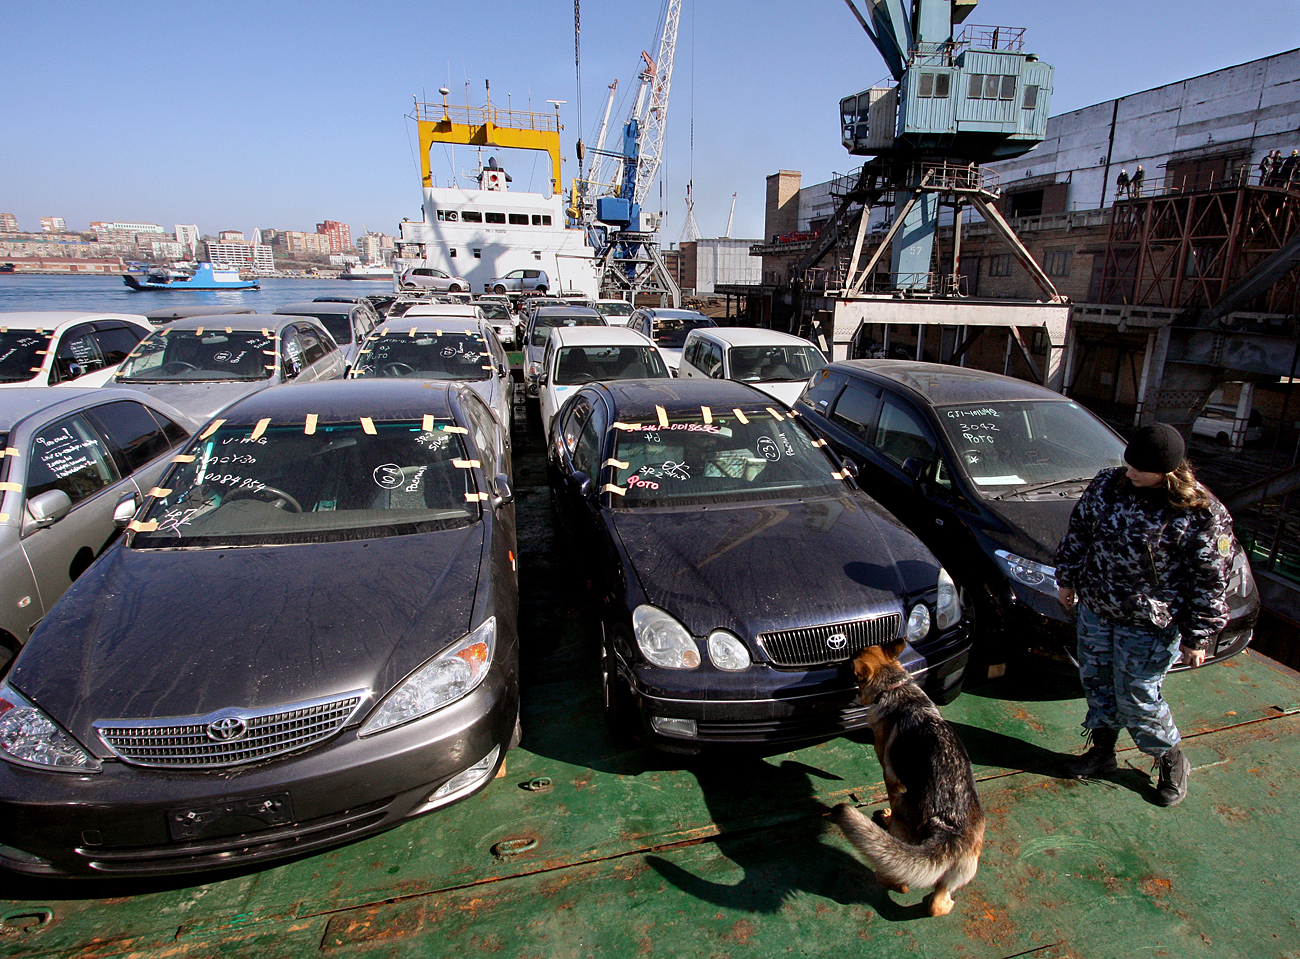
(281, 113)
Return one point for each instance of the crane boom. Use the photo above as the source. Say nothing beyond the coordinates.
(656, 118)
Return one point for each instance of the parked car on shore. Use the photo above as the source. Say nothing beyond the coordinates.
(777, 363)
(737, 570)
(519, 281)
(64, 348)
(195, 701)
(79, 464)
(202, 363)
(986, 470)
(428, 278)
(1217, 419)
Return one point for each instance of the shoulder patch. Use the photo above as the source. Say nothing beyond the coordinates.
(1224, 545)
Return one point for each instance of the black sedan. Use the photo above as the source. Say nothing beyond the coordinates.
(986, 469)
(308, 635)
(738, 570)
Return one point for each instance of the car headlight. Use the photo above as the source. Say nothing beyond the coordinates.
(663, 640)
(1239, 578)
(918, 623)
(30, 738)
(1027, 572)
(727, 651)
(449, 676)
(947, 609)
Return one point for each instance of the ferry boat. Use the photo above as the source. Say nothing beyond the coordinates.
(486, 231)
(368, 271)
(202, 276)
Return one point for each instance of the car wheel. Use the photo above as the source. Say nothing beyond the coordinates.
(517, 736)
(540, 291)
(988, 650)
(615, 697)
(498, 288)
(410, 286)
(453, 288)
(1221, 438)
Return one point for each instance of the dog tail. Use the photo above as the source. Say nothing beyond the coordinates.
(895, 862)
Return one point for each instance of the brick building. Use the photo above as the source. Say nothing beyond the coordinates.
(339, 234)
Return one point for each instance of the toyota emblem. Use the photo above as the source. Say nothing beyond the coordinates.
(836, 641)
(227, 729)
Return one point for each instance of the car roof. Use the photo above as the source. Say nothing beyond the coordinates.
(635, 400)
(49, 319)
(749, 336)
(942, 385)
(428, 324)
(609, 301)
(243, 322)
(337, 400)
(176, 312)
(17, 405)
(316, 306)
(660, 313)
(597, 336)
(565, 311)
(442, 309)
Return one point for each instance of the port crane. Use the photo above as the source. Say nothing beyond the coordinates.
(609, 201)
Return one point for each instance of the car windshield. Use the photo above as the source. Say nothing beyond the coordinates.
(1009, 447)
(339, 325)
(615, 309)
(169, 355)
(760, 454)
(434, 355)
(671, 331)
(583, 364)
(774, 364)
(313, 482)
(494, 310)
(21, 352)
(543, 325)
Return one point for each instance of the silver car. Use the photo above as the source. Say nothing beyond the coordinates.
(427, 278)
(77, 464)
(204, 363)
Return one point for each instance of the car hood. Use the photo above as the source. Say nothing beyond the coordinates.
(199, 400)
(1031, 529)
(155, 633)
(787, 393)
(779, 565)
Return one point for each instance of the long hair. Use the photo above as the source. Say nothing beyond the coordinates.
(1183, 490)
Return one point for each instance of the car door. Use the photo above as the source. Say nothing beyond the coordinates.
(69, 455)
(500, 383)
(138, 439)
(576, 440)
(323, 359)
(292, 352)
(115, 342)
(76, 354)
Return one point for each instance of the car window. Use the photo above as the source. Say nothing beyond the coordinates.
(77, 354)
(246, 486)
(313, 344)
(168, 355)
(339, 325)
(856, 409)
(174, 432)
(21, 353)
(713, 361)
(433, 354)
(291, 353)
(574, 421)
(902, 434)
(586, 452)
(69, 455)
(484, 428)
(116, 342)
(542, 325)
(774, 364)
(823, 388)
(134, 436)
(585, 364)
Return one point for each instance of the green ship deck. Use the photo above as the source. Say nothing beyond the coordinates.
(591, 846)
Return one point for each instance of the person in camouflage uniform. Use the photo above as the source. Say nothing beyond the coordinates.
(1146, 563)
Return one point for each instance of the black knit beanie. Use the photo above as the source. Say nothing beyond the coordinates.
(1158, 448)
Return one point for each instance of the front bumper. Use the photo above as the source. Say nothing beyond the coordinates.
(767, 705)
(121, 822)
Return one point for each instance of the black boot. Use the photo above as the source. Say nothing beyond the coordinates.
(1100, 757)
(1172, 786)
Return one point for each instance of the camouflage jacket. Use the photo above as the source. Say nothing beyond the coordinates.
(1132, 557)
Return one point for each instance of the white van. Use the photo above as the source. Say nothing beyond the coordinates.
(1216, 421)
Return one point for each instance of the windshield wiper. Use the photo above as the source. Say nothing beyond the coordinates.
(1020, 491)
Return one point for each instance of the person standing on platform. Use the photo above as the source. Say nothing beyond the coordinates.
(1145, 567)
(1121, 183)
(1289, 175)
(1135, 187)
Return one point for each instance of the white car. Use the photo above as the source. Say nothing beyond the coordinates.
(466, 311)
(46, 348)
(462, 348)
(578, 355)
(1216, 421)
(615, 312)
(776, 363)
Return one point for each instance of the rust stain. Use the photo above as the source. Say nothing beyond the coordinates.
(1024, 717)
(1155, 886)
(117, 901)
(741, 930)
(492, 942)
(1233, 814)
(585, 781)
(986, 922)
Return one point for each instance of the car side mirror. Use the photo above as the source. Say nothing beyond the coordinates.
(542, 379)
(850, 467)
(502, 371)
(914, 466)
(583, 482)
(48, 508)
(125, 509)
(504, 494)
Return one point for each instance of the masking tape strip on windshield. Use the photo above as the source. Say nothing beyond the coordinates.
(183, 458)
(707, 414)
(265, 331)
(840, 475)
(792, 413)
(630, 427)
(775, 415)
(260, 428)
(12, 487)
(663, 417)
(412, 333)
(453, 429)
(741, 416)
(427, 423)
(819, 442)
(229, 330)
(616, 490)
(199, 331)
(42, 352)
(617, 464)
(8, 451)
(269, 352)
(368, 425)
(4, 517)
(309, 427)
(466, 464)
(212, 428)
(138, 527)
(475, 497)
(158, 492)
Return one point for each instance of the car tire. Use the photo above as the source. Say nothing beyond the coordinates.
(454, 288)
(1221, 438)
(540, 291)
(498, 288)
(517, 736)
(615, 698)
(410, 286)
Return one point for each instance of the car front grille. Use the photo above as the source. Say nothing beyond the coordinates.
(821, 645)
(228, 737)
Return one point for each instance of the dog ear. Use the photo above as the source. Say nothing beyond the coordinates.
(894, 649)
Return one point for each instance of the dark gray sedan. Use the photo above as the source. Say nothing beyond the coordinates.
(308, 635)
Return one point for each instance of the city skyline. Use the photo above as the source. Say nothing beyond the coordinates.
(754, 91)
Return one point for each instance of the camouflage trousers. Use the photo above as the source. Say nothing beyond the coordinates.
(1122, 669)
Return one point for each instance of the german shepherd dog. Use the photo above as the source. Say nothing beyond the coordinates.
(933, 832)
